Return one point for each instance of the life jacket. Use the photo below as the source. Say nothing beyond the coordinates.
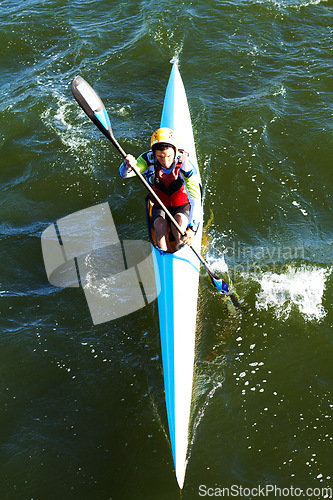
(169, 187)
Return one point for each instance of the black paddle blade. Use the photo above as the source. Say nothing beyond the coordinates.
(236, 302)
(92, 105)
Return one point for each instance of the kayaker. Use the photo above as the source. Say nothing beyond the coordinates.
(176, 182)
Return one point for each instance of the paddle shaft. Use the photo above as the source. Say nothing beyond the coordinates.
(213, 276)
(93, 106)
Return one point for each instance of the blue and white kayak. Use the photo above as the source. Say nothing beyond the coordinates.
(177, 279)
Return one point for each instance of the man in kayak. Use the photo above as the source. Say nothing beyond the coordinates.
(175, 181)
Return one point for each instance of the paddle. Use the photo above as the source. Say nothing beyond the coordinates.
(93, 106)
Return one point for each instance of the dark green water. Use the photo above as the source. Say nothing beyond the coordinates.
(82, 406)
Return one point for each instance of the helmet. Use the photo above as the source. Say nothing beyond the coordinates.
(164, 135)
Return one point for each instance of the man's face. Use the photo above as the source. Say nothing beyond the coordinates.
(165, 157)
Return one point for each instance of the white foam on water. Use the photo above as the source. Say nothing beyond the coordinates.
(218, 264)
(296, 4)
(300, 288)
(59, 120)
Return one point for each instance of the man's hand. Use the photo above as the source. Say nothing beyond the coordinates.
(188, 237)
(130, 162)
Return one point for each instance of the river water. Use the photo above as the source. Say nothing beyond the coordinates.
(82, 405)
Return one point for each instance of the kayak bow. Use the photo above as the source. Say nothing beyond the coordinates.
(177, 278)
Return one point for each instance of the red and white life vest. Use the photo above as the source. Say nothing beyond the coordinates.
(169, 187)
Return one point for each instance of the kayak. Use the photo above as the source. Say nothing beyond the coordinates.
(176, 272)
(177, 280)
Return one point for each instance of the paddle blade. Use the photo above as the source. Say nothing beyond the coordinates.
(92, 105)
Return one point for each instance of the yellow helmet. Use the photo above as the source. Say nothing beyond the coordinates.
(164, 135)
